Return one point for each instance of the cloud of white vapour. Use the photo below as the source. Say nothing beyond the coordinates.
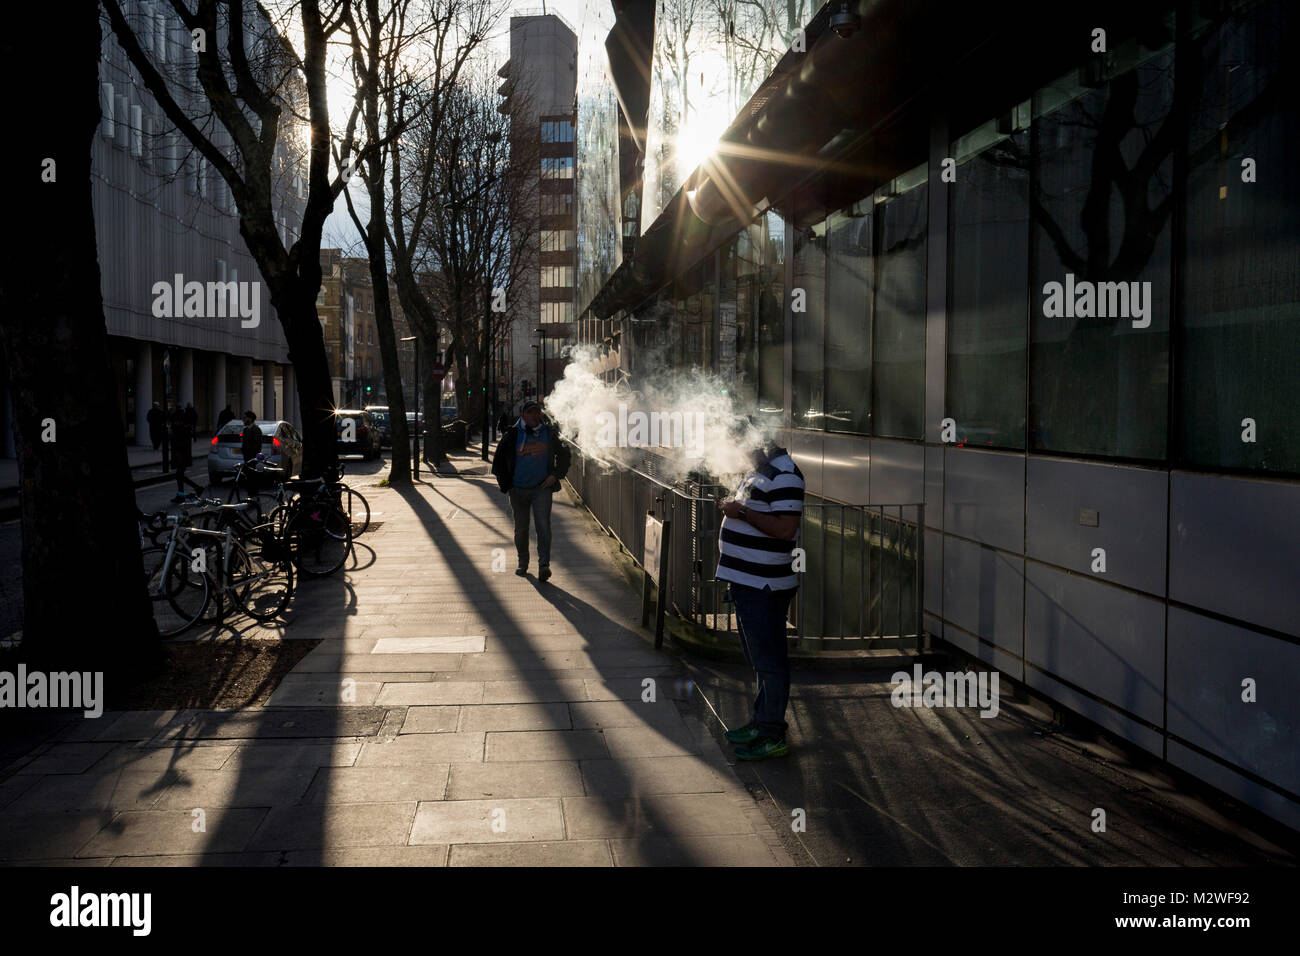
(685, 417)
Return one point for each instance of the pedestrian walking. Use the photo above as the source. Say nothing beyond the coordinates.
(182, 454)
(157, 420)
(529, 464)
(756, 544)
(168, 415)
(227, 414)
(192, 420)
(505, 420)
(251, 442)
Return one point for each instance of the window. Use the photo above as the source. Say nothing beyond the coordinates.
(769, 296)
(807, 324)
(557, 167)
(898, 379)
(107, 103)
(137, 131)
(1239, 356)
(989, 288)
(1098, 384)
(849, 280)
(122, 121)
(557, 240)
(552, 312)
(557, 204)
(557, 276)
(560, 131)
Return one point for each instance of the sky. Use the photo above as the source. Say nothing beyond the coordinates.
(339, 231)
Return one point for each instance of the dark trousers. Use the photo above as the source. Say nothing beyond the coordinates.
(167, 452)
(760, 618)
(182, 480)
(537, 502)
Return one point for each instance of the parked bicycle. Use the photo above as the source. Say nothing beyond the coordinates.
(249, 565)
(268, 487)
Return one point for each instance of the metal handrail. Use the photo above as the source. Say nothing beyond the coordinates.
(863, 581)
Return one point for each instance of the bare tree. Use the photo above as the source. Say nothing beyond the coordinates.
(244, 88)
(85, 603)
(480, 240)
(461, 25)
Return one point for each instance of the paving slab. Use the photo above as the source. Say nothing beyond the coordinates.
(243, 787)
(116, 790)
(488, 821)
(67, 758)
(548, 716)
(667, 815)
(693, 850)
(432, 692)
(545, 745)
(540, 691)
(257, 755)
(462, 644)
(433, 855)
(274, 722)
(654, 775)
(339, 691)
(416, 749)
(369, 784)
(568, 853)
(504, 780)
(49, 836)
(158, 832)
(344, 825)
(433, 719)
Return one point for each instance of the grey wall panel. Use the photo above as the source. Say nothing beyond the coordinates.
(1110, 719)
(934, 572)
(1235, 785)
(1208, 660)
(936, 278)
(984, 497)
(933, 487)
(1106, 640)
(806, 449)
(846, 461)
(983, 592)
(933, 625)
(897, 472)
(1233, 548)
(1007, 664)
(1130, 505)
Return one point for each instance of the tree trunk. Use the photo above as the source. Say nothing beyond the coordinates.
(295, 302)
(400, 471)
(86, 606)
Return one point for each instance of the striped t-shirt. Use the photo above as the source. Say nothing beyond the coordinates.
(748, 556)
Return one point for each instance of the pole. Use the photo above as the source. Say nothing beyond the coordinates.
(417, 409)
(487, 368)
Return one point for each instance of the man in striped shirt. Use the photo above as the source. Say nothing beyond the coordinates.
(757, 539)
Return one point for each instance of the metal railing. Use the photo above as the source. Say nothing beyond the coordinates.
(860, 578)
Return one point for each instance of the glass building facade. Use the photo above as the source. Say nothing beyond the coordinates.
(1066, 319)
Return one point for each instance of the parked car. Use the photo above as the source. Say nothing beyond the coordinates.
(449, 414)
(410, 423)
(281, 443)
(382, 422)
(364, 433)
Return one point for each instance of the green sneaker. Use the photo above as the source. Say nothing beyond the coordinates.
(763, 748)
(743, 735)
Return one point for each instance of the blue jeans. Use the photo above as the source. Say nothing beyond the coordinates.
(760, 618)
(536, 501)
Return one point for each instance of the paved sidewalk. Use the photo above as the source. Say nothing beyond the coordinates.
(454, 714)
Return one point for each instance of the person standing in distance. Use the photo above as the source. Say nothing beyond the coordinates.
(756, 544)
(529, 464)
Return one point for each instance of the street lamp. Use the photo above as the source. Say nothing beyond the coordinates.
(412, 338)
(541, 355)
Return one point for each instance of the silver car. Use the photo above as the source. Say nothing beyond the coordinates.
(281, 444)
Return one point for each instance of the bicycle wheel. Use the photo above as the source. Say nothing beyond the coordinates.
(261, 577)
(179, 594)
(320, 537)
(357, 509)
